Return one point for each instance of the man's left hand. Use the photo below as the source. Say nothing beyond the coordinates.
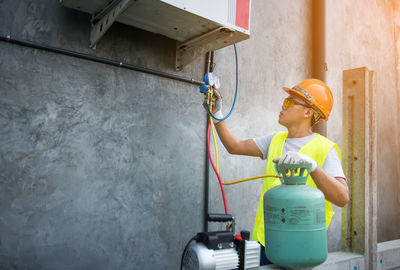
(292, 157)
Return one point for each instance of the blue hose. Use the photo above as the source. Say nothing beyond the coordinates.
(236, 91)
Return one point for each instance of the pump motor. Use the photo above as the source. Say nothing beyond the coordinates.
(221, 250)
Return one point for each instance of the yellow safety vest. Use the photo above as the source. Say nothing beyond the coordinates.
(317, 148)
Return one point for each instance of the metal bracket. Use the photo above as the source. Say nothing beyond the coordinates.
(103, 20)
(189, 50)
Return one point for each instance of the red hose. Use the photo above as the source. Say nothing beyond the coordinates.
(215, 169)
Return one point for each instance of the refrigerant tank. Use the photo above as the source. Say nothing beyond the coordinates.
(294, 220)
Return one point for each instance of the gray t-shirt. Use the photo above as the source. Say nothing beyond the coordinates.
(332, 164)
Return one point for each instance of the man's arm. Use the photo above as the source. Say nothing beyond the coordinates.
(233, 145)
(335, 189)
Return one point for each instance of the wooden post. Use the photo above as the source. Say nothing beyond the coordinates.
(359, 226)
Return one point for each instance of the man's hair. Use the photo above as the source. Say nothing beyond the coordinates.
(315, 119)
(316, 116)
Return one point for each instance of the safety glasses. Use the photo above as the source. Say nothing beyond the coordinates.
(290, 102)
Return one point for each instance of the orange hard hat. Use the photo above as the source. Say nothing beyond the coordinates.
(316, 93)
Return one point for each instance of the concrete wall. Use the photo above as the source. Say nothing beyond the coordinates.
(103, 168)
(361, 34)
(97, 163)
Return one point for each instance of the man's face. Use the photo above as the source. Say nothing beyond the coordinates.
(294, 114)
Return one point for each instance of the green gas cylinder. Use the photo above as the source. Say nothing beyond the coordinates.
(294, 220)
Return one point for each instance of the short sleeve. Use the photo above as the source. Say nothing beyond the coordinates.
(333, 165)
(263, 144)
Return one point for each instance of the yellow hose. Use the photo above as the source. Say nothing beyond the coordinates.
(249, 179)
(215, 141)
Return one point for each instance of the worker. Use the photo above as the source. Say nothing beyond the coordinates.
(308, 102)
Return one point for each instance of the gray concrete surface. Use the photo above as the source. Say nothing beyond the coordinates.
(388, 255)
(103, 168)
(335, 261)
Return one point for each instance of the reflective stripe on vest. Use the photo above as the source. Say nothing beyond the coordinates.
(317, 148)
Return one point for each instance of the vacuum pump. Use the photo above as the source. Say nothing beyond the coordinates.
(221, 250)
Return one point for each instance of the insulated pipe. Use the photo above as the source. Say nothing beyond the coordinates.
(208, 68)
(102, 60)
(207, 167)
(318, 66)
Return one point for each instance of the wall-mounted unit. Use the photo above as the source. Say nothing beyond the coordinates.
(197, 25)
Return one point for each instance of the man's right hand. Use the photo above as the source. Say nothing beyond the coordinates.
(217, 105)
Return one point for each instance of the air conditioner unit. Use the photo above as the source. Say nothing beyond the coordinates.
(198, 26)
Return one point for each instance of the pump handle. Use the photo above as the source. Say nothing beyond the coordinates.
(219, 217)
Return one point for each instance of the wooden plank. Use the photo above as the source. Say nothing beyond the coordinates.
(359, 153)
